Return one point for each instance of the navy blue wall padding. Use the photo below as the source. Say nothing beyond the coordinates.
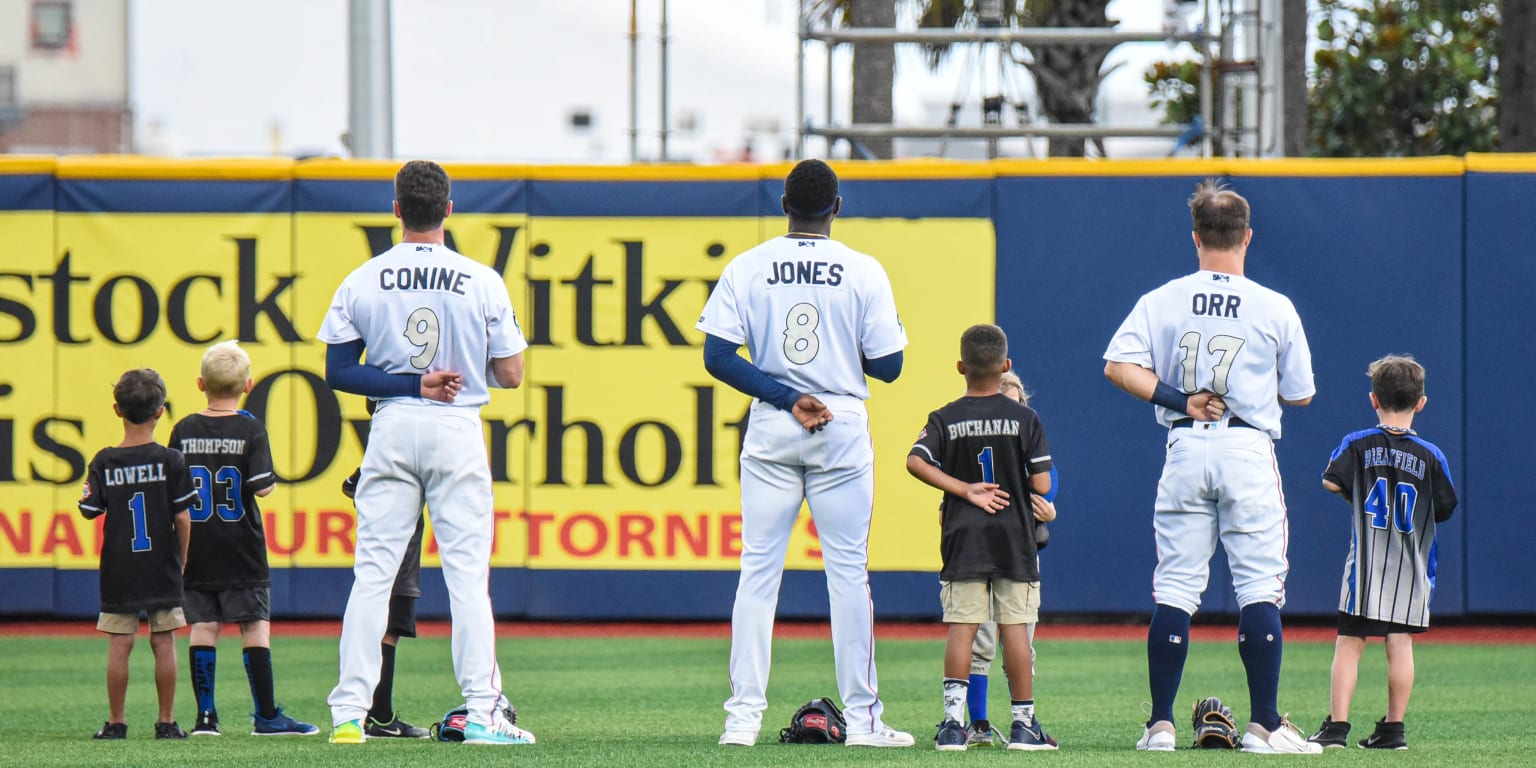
(375, 196)
(158, 196)
(1441, 267)
(1500, 317)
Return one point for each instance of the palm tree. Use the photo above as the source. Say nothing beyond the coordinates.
(1067, 75)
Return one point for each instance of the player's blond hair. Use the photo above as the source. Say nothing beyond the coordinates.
(226, 368)
(1012, 381)
(1397, 381)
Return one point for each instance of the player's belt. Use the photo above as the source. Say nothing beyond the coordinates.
(1188, 422)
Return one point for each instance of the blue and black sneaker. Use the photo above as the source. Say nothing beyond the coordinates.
(1030, 736)
(280, 725)
(951, 737)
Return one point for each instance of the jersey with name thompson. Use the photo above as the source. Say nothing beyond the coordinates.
(140, 489)
(987, 439)
(229, 460)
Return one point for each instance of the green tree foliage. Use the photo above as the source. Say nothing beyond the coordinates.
(1390, 78)
(1393, 78)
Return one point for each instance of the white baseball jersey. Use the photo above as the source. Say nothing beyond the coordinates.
(1223, 333)
(419, 308)
(808, 311)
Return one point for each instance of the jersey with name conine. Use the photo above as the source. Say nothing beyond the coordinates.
(421, 307)
(140, 489)
(1399, 487)
(229, 460)
(992, 439)
(1221, 333)
(809, 311)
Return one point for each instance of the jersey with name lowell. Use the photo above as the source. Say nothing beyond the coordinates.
(421, 307)
(1223, 333)
(987, 439)
(140, 489)
(808, 310)
(1399, 487)
(229, 460)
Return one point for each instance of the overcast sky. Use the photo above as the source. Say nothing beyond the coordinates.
(497, 80)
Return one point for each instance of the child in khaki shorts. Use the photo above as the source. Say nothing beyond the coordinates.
(989, 455)
(144, 490)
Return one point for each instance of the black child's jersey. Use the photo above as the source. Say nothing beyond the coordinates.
(987, 439)
(140, 489)
(229, 459)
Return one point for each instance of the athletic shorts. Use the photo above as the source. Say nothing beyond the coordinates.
(228, 605)
(402, 616)
(408, 578)
(1351, 625)
(160, 620)
(973, 601)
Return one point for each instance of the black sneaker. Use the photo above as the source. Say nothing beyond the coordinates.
(169, 731)
(1331, 734)
(1387, 736)
(349, 485)
(1029, 736)
(207, 724)
(112, 731)
(394, 728)
(951, 737)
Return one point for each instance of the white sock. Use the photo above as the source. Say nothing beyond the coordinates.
(1024, 711)
(954, 698)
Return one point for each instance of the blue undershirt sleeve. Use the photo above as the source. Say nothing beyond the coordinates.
(885, 368)
(1055, 486)
(723, 363)
(345, 372)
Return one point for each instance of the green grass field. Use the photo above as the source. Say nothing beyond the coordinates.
(656, 702)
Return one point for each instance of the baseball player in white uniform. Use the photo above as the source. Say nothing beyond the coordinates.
(438, 329)
(816, 317)
(1218, 354)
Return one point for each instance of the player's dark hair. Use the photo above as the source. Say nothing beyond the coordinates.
(139, 394)
(1220, 215)
(422, 189)
(1397, 381)
(983, 349)
(810, 190)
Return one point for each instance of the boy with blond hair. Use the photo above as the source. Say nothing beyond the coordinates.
(143, 489)
(1399, 487)
(230, 462)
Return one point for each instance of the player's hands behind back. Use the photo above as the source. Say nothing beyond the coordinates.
(1206, 406)
(812, 414)
(442, 386)
(1045, 511)
(988, 496)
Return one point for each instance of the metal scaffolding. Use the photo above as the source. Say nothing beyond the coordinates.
(1234, 119)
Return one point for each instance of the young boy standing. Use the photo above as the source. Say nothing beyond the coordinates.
(1399, 487)
(143, 489)
(227, 581)
(988, 454)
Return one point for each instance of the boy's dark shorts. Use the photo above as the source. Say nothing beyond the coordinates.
(228, 605)
(1351, 625)
(402, 615)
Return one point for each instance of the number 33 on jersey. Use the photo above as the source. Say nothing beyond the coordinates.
(808, 310)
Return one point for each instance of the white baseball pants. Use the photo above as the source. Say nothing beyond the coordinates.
(437, 454)
(782, 465)
(1220, 482)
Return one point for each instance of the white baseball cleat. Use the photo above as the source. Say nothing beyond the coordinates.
(1158, 737)
(884, 736)
(1285, 740)
(738, 738)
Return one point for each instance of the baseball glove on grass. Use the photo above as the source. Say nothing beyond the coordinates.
(1214, 728)
(818, 721)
